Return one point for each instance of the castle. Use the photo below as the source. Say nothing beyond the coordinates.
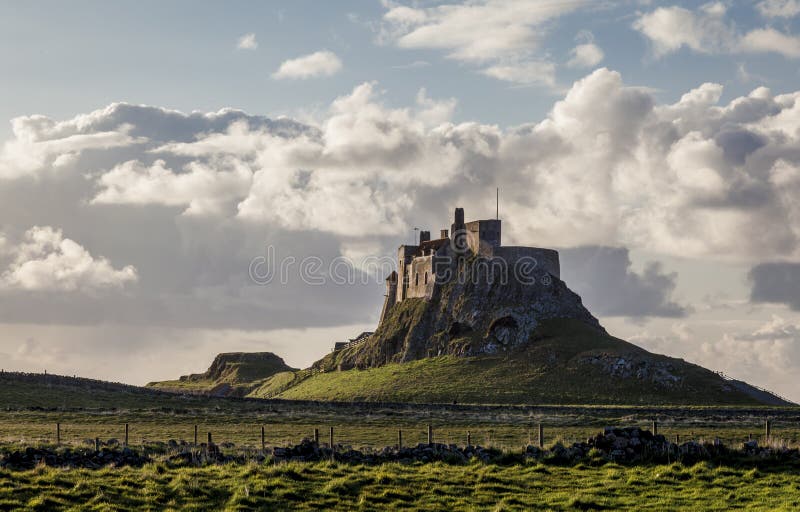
(422, 268)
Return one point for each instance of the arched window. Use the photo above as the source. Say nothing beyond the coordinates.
(426, 277)
(416, 278)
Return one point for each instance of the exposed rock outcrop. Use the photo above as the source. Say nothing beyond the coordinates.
(483, 311)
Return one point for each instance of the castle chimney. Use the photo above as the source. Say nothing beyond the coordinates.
(443, 233)
(424, 236)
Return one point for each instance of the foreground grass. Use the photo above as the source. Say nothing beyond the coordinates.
(328, 486)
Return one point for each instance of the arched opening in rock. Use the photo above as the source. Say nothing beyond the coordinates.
(507, 321)
(504, 329)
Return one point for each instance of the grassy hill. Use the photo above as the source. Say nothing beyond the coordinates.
(27, 390)
(230, 374)
(567, 362)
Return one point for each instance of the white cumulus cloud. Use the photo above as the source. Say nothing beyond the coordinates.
(524, 73)
(247, 42)
(45, 260)
(609, 165)
(321, 63)
(586, 55)
(501, 36)
(670, 28)
(707, 30)
(769, 40)
(200, 188)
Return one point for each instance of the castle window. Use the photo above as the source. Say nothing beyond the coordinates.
(416, 278)
(426, 277)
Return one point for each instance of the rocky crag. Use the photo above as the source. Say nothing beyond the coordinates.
(482, 312)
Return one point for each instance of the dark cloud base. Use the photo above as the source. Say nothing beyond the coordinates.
(604, 279)
(777, 282)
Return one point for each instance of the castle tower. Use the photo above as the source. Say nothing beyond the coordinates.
(458, 232)
(391, 295)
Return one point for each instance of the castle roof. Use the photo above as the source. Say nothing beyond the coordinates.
(425, 247)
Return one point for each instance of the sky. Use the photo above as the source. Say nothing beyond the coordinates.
(179, 179)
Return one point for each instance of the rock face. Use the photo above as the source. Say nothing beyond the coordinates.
(636, 366)
(484, 313)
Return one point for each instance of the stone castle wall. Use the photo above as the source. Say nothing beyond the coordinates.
(483, 236)
(546, 259)
(418, 264)
(420, 276)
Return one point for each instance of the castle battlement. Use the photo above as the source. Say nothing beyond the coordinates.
(422, 268)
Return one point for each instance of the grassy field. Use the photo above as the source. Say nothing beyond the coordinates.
(30, 407)
(330, 486)
(371, 429)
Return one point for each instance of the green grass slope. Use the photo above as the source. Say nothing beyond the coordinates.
(230, 374)
(566, 362)
(24, 390)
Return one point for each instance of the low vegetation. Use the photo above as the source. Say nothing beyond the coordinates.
(437, 486)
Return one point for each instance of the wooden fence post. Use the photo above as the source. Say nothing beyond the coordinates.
(399, 439)
(677, 439)
(195, 436)
(209, 439)
(126, 435)
(768, 429)
(262, 438)
(58, 434)
(331, 439)
(430, 435)
(541, 436)
(469, 439)
(316, 436)
(655, 427)
(97, 444)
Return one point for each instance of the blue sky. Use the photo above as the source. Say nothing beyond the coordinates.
(62, 58)
(655, 143)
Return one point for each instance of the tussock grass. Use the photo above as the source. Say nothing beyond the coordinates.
(302, 486)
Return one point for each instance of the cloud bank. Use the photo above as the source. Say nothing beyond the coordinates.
(189, 200)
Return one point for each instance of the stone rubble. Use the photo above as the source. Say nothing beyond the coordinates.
(31, 457)
(629, 445)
